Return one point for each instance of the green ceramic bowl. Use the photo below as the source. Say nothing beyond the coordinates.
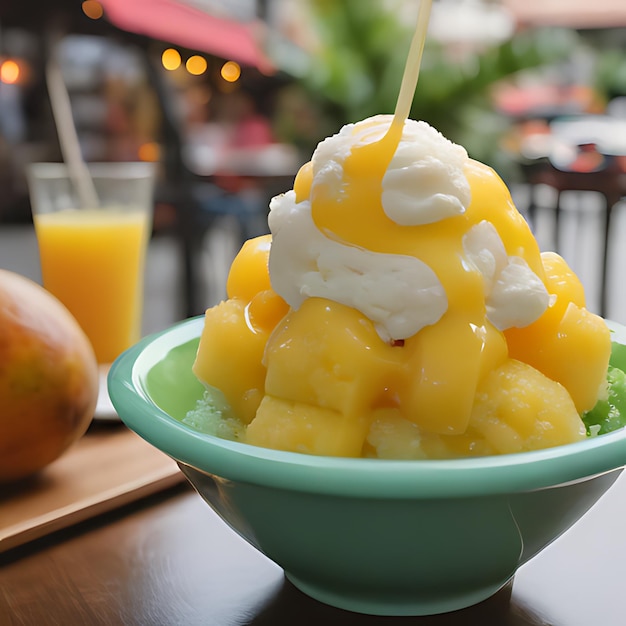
(372, 536)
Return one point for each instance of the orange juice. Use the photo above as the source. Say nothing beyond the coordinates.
(93, 261)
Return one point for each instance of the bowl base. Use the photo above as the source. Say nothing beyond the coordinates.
(393, 605)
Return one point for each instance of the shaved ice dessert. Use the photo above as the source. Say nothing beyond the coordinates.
(400, 308)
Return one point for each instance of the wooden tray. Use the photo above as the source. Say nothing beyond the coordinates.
(109, 467)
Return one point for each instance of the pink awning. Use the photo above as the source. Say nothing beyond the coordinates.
(181, 24)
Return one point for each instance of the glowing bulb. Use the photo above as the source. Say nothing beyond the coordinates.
(196, 65)
(171, 59)
(9, 72)
(230, 71)
(92, 9)
(149, 151)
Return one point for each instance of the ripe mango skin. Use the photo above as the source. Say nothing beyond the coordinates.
(48, 378)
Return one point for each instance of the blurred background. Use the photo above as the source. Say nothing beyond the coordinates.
(231, 97)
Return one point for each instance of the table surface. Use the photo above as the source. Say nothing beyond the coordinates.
(168, 559)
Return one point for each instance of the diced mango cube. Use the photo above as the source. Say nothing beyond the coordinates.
(562, 281)
(567, 343)
(297, 427)
(517, 409)
(441, 394)
(330, 356)
(230, 357)
(575, 353)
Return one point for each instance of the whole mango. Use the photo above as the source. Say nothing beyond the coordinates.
(48, 378)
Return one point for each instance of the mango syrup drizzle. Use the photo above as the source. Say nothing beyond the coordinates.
(364, 170)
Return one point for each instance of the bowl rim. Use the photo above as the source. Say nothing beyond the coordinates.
(435, 479)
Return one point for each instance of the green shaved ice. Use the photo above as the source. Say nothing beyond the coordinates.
(609, 414)
(212, 417)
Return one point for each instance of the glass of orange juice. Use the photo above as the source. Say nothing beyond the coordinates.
(93, 257)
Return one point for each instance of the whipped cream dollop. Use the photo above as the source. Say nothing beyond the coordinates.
(514, 295)
(424, 183)
(399, 294)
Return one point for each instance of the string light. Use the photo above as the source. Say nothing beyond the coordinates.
(92, 9)
(171, 59)
(196, 65)
(9, 72)
(149, 151)
(230, 71)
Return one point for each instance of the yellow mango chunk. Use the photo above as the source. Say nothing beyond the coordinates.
(441, 396)
(230, 357)
(576, 354)
(517, 409)
(329, 355)
(561, 281)
(249, 273)
(448, 360)
(494, 348)
(567, 343)
(297, 427)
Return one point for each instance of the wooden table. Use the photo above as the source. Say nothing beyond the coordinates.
(167, 560)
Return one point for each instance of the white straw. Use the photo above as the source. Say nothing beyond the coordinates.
(68, 138)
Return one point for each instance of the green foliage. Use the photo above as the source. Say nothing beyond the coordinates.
(609, 414)
(358, 69)
(355, 71)
(610, 75)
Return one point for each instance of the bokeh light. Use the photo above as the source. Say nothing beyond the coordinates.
(196, 65)
(230, 71)
(9, 72)
(149, 151)
(92, 9)
(171, 59)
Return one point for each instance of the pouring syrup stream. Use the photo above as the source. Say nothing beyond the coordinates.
(373, 158)
(412, 68)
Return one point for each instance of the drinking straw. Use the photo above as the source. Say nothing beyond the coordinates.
(68, 137)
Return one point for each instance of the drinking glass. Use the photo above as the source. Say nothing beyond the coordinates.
(93, 257)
